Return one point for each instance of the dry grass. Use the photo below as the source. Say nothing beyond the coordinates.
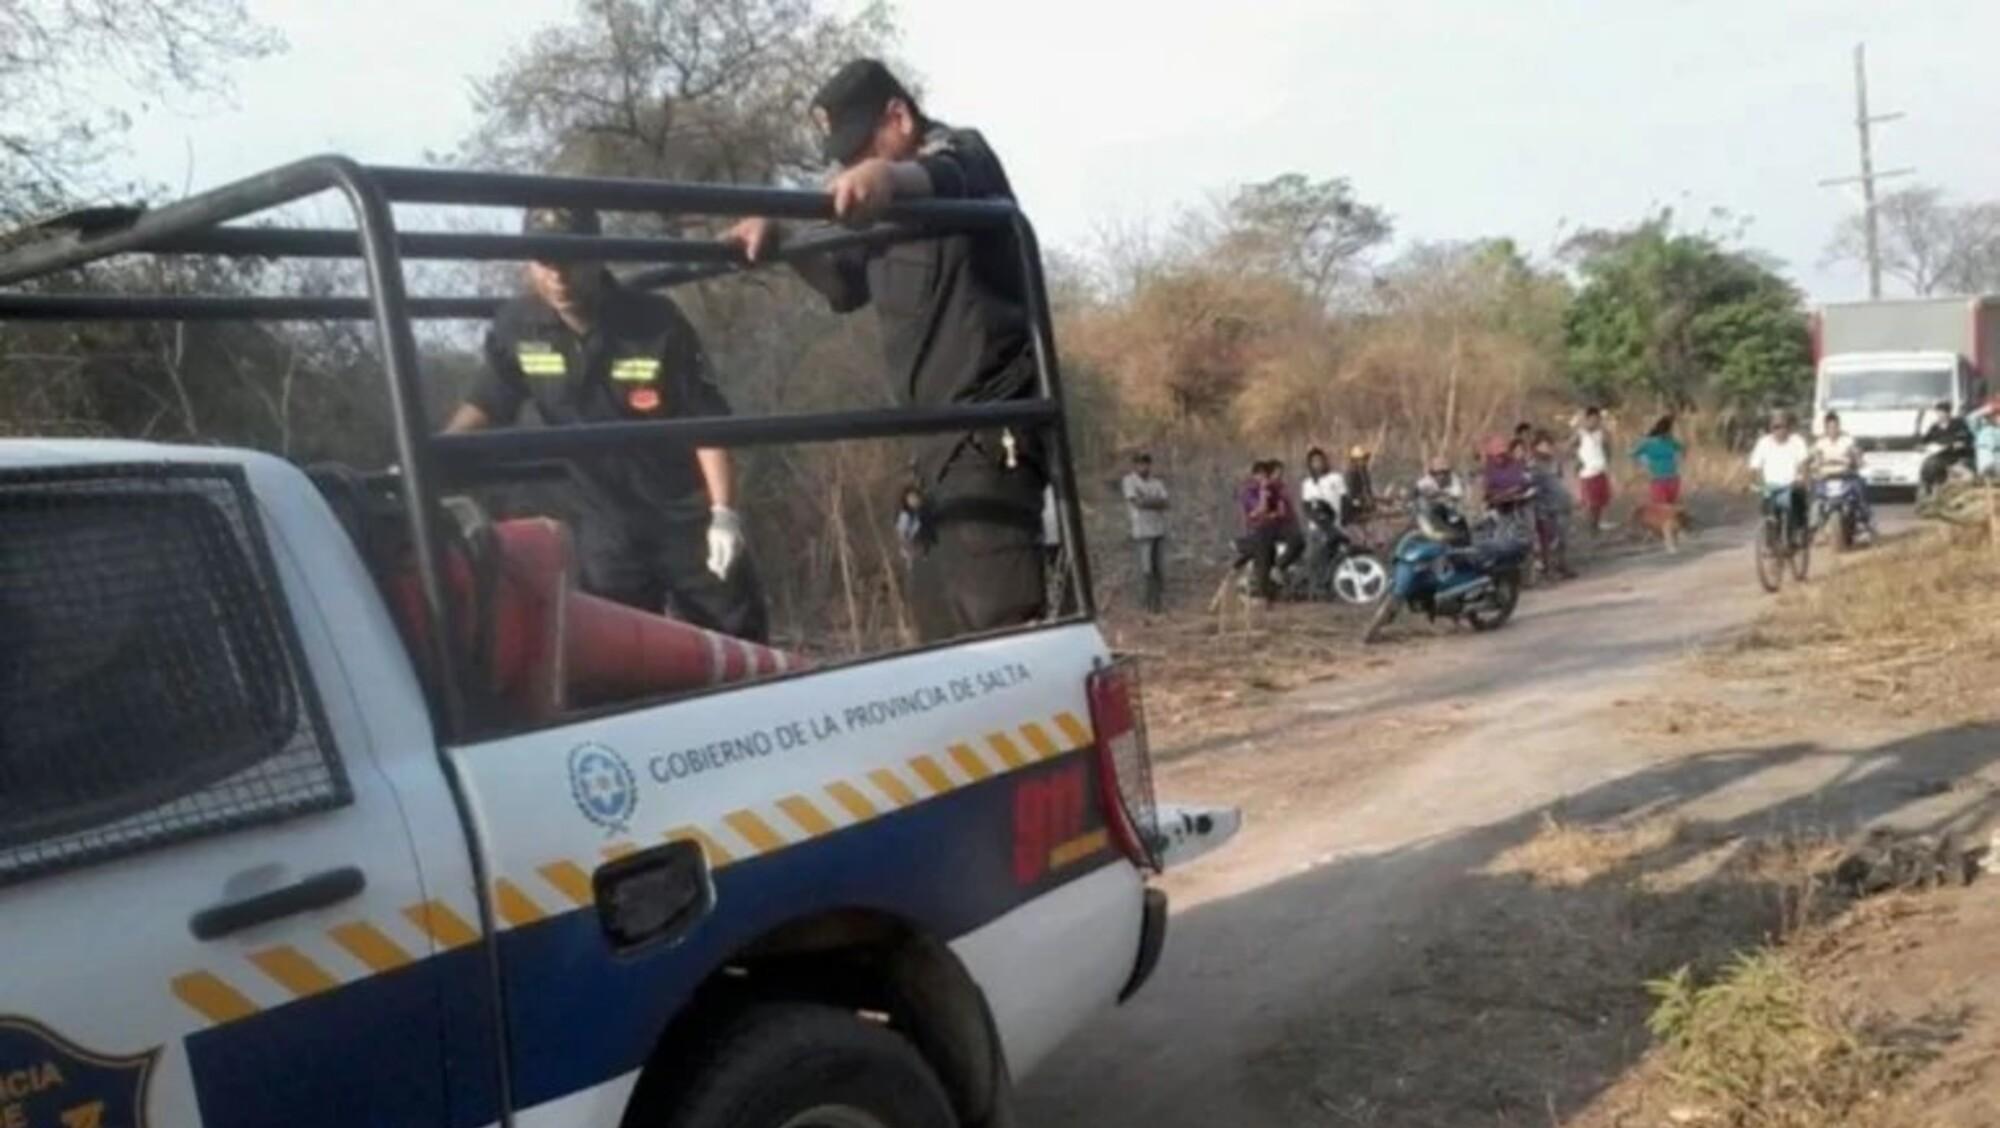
(1523, 1000)
(1211, 678)
(1914, 624)
(1565, 853)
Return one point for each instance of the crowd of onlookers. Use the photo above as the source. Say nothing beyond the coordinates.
(1539, 484)
(1536, 481)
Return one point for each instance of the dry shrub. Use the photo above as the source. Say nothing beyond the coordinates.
(1915, 621)
(1564, 853)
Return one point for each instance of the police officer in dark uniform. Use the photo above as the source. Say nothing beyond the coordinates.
(657, 530)
(955, 331)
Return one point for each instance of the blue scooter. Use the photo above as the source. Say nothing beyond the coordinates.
(1437, 569)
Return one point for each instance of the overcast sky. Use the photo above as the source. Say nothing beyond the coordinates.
(1464, 118)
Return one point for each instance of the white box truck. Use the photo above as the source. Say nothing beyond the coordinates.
(1884, 366)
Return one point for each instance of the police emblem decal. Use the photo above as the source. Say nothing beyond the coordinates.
(603, 786)
(47, 1079)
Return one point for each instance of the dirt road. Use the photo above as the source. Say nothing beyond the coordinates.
(1386, 809)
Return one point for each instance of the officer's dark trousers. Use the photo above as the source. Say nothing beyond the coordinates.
(984, 569)
(665, 569)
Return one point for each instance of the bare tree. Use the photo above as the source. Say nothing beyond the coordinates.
(62, 63)
(1313, 231)
(1929, 243)
(706, 90)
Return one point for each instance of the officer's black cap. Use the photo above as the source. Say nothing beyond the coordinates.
(561, 221)
(852, 102)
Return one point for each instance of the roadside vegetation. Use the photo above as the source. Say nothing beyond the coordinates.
(1912, 627)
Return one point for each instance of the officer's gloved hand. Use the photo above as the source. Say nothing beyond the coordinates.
(725, 540)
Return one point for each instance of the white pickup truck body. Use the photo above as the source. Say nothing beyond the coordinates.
(938, 808)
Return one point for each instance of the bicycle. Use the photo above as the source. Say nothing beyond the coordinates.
(1783, 542)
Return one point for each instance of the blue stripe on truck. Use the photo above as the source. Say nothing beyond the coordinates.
(386, 1049)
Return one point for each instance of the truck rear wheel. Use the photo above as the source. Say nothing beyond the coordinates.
(803, 1066)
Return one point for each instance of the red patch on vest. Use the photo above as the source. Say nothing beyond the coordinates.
(643, 399)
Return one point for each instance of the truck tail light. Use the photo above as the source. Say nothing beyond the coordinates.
(1124, 761)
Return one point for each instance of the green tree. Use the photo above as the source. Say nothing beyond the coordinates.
(1680, 319)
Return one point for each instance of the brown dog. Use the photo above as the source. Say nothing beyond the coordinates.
(1666, 522)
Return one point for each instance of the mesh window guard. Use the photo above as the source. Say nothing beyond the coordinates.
(152, 687)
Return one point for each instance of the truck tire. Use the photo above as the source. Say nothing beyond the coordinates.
(797, 1065)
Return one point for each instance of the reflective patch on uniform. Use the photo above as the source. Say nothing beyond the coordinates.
(538, 358)
(635, 369)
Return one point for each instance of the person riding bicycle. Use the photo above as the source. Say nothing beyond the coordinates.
(1781, 460)
(1835, 455)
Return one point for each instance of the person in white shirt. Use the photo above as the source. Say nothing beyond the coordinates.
(1780, 460)
(1146, 504)
(1835, 454)
(910, 527)
(1439, 481)
(1322, 484)
(1593, 467)
(1321, 492)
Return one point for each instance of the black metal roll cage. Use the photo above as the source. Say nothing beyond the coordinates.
(196, 226)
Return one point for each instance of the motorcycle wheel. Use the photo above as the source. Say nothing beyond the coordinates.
(1384, 612)
(1493, 613)
(1770, 561)
(1843, 532)
(1360, 579)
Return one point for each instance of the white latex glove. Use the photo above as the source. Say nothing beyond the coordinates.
(725, 540)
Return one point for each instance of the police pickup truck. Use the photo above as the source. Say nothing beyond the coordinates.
(268, 856)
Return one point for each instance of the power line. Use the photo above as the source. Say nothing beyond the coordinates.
(1863, 124)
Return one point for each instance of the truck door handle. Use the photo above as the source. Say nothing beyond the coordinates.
(304, 895)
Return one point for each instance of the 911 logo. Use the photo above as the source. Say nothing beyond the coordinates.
(1048, 813)
(603, 786)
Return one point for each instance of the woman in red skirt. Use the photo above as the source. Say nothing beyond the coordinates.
(1660, 453)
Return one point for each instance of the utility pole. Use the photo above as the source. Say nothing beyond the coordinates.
(1868, 177)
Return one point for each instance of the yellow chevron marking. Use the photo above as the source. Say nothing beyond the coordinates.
(569, 878)
(1038, 738)
(215, 1000)
(1077, 849)
(619, 850)
(1075, 731)
(754, 830)
(1009, 752)
(366, 943)
(440, 923)
(933, 776)
(514, 905)
(852, 800)
(811, 819)
(970, 762)
(717, 856)
(893, 786)
(294, 970)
